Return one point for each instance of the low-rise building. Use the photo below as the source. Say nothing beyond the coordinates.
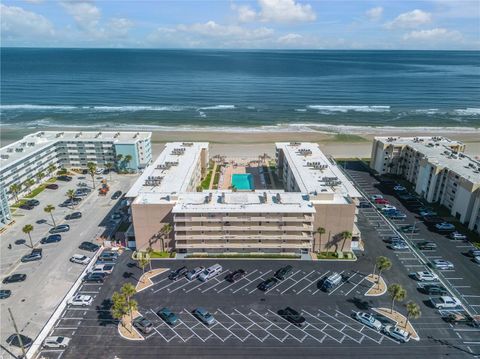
(439, 170)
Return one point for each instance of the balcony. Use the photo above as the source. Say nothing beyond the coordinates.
(246, 227)
(255, 237)
(304, 218)
(245, 245)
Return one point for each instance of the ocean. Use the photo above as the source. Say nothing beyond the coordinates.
(238, 90)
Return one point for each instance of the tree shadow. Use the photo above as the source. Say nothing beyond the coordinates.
(360, 303)
(104, 313)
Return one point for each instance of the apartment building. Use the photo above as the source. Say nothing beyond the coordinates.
(33, 154)
(439, 170)
(5, 214)
(235, 221)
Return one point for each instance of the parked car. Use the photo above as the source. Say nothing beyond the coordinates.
(474, 252)
(168, 316)
(368, 320)
(409, 228)
(204, 316)
(210, 272)
(80, 300)
(107, 255)
(445, 302)
(399, 188)
(56, 342)
(434, 289)
(387, 207)
(331, 282)
(432, 220)
(24, 341)
(292, 316)
(94, 277)
(234, 276)
(284, 272)
(26, 206)
(399, 245)
(52, 238)
(33, 202)
(375, 197)
(364, 204)
(458, 236)
(396, 333)
(143, 324)
(64, 178)
(59, 229)
(80, 259)
(445, 227)
(103, 268)
(52, 186)
(81, 193)
(178, 273)
(381, 201)
(426, 276)
(14, 278)
(89, 246)
(5, 293)
(462, 318)
(392, 239)
(442, 264)
(117, 195)
(396, 215)
(267, 284)
(74, 215)
(476, 259)
(426, 213)
(35, 255)
(427, 246)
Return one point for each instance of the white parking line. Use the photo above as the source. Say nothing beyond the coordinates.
(341, 331)
(219, 282)
(322, 330)
(253, 323)
(183, 285)
(245, 277)
(275, 325)
(169, 327)
(253, 280)
(294, 284)
(355, 286)
(299, 328)
(310, 282)
(168, 285)
(198, 285)
(365, 327)
(207, 327)
(453, 278)
(189, 328)
(341, 285)
(470, 296)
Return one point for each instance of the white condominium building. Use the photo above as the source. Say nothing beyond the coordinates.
(33, 154)
(438, 168)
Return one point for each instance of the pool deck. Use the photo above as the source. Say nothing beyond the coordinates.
(229, 170)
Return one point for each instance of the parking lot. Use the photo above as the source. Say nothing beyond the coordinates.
(49, 279)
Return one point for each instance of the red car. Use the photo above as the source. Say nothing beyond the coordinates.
(381, 201)
(52, 186)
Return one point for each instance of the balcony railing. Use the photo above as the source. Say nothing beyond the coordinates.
(256, 237)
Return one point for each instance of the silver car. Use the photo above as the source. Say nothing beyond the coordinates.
(194, 273)
(368, 320)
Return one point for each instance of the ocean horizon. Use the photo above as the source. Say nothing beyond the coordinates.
(238, 90)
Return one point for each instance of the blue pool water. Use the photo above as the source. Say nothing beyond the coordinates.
(242, 181)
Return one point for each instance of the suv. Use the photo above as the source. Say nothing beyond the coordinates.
(24, 341)
(143, 324)
(195, 272)
(94, 277)
(74, 215)
(80, 300)
(234, 276)
(427, 246)
(292, 316)
(59, 229)
(168, 316)
(210, 272)
(434, 289)
(204, 316)
(368, 320)
(89, 246)
(53, 238)
(56, 342)
(177, 274)
(35, 255)
(331, 282)
(458, 236)
(442, 264)
(267, 284)
(396, 333)
(64, 178)
(80, 259)
(284, 272)
(103, 269)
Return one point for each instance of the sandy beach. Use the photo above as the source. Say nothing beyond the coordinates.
(250, 144)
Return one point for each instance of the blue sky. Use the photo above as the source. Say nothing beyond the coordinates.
(271, 24)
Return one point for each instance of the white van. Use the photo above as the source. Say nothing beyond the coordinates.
(332, 281)
(210, 272)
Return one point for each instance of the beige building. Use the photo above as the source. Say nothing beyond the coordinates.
(438, 168)
(237, 221)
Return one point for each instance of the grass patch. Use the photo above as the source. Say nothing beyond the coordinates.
(36, 191)
(19, 203)
(206, 181)
(160, 254)
(345, 137)
(246, 255)
(336, 255)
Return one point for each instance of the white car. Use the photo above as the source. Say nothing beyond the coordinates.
(457, 236)
(195, 272)
(210, 272)
(80, 300)
(388, 207)
(442, 264)
(445, 302)
(426, 277)
(80, 259)
(368, 320)
(397, 333)
(376, 196)
(56, 342)
(476, 259)
(103, 268)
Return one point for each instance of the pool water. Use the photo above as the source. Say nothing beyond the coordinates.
(242, 181)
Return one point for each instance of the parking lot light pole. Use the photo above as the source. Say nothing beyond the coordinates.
(413, 229)
(24, 354)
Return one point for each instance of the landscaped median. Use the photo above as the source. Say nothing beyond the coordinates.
(338, 256)
(243, 256)
(400, 320)
(145, 280)
(378, 288)
(126, 328)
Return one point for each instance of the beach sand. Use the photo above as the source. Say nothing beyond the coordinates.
(250, 144)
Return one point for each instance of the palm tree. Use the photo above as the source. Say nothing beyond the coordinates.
(27, 229)
(40, 176)
(166, 230)
(398, 293)
(119, 308)
(51, 168)
(320, 231)
(413, 311)
(345, 235)
(127, 160)
(382, 263)
(119, 161)
(49, 209)
(71, 195)
(15, 189)
(128, 291)
(143, 262)
(92, 167)
(109, 167)
(29, 183)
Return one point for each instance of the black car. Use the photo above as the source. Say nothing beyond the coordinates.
(5, 293)
(52, 186)
(59, 229)
(74, 215)
(234, 276)
(434, 289)
(427, 246)
(176, 274)
(117, 195)
(292, 316)
(432, 220)
(89, 246)
(284, 272)
(35, 255)
(24, 341)
(94, 277)
(267, 284)
(14, 278)
(26, 206)
(33, 202)
(409, 228)
(53, 238)
(64, 178)
(143, 324)
(364, 204)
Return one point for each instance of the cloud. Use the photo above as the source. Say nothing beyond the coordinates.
(244, 13)
(290, 39)
(437, 34)
(85, 13)
(374, 13)
(410, 19)
(285, 11)
(118, 27)
(18, 23)
(212, 29)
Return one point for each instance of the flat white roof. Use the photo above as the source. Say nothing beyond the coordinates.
(314, 172)
(36, 141)
(238, 202)
(439, 153)
(170, 173)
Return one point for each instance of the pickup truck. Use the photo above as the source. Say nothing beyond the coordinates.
(445, 302)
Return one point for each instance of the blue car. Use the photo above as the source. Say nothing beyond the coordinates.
(53, 238)
(204, 316)
(168, 316)
(396, 215)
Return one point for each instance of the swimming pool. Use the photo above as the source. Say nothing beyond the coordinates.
(242, 181)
